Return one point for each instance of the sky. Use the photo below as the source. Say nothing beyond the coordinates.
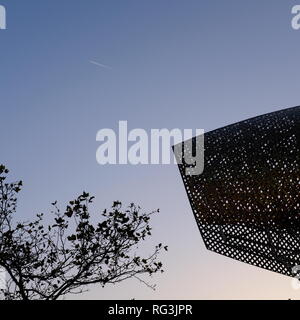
(166, 64)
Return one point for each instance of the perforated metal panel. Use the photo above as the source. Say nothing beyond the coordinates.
(246, 202)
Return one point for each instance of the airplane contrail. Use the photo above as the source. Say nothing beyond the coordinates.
(100, 64)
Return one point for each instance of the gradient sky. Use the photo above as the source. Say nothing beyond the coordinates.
(174, 64)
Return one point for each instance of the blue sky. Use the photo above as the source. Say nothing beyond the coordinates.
(173, 64)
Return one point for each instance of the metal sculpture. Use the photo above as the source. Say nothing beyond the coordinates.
(247, 200)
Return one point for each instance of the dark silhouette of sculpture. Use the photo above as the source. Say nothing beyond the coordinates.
(246, 202)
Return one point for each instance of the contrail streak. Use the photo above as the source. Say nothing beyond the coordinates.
(100, 64)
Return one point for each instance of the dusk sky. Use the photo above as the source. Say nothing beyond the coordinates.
(170, 64)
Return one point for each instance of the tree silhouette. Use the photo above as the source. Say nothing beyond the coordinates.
(48, 262)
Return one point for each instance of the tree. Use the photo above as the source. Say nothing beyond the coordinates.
(48, 262)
